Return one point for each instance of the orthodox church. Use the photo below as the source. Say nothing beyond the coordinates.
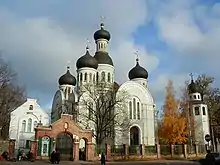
(91, 69)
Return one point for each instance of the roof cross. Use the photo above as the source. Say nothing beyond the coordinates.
(191, 75)
(137, 55)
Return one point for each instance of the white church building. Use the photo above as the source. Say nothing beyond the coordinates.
(100, 68)
(23, 121)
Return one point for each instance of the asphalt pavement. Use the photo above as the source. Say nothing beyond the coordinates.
(161, 162)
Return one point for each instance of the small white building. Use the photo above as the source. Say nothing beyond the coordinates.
(23, 121)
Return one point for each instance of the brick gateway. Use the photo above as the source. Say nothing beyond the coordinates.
(64, 135)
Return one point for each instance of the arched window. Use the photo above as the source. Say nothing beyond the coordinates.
(31, 107)
(77, 77)
(138, 111)
(94, 78)
(109, 77)
(85, 78)
(130, 109)
(97, 76)
(90, 77)
(23, 127)
(134, 108)
(29, 125)
(81, 76)
(35, 124)
(103, 76)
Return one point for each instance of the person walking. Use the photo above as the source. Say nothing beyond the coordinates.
(103, 159)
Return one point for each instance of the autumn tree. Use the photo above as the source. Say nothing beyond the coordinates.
(173, 126)
(11, 96)
(103, 110)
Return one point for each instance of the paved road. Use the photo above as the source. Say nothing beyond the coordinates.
(108, 163)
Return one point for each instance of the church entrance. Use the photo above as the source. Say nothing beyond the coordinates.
(64, 144)
(134, 136)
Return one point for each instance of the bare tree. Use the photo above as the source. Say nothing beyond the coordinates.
(103, 108)
(11, 96)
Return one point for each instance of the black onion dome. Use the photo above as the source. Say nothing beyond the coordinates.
(138, 72)
(87, 61)
(102, 33)
(67, 79)
(192, 87)
(103, 58)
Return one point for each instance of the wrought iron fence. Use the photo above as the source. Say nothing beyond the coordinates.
(117, 150)
(165, 150)
(191, 149)
(134, 150)
(150, 150)
(178, 149)
(99, 149)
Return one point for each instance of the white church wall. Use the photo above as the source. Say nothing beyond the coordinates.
(201, 123)
(147, 122)
(23, 121)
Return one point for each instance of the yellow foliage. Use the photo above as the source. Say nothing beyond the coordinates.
(173, 128)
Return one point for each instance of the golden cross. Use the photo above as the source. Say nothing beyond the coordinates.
(102, 18)
(191, 75)
(88, 43)
(137, 55)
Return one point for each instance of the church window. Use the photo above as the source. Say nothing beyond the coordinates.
(31, 107)
(130, 109)
(103, 76)
(90, 77)
(94, 78)
(81, 76)
(138, 111)
(90, 110)
(85, 78)
(35, 124)
(198, 97)
(77, 77)
(203, 111)
(29, 125)
(109, 77)
(97, 77)
(23, 127)
(134, 108)
(197, 111)
(194, 96)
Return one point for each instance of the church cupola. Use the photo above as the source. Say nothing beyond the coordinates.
(86, 69)
(193, 90)
(138, 72)
(102, 33)
(102, 38)
(67, 78)
(87, 61)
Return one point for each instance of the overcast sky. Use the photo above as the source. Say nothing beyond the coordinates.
(174, 38)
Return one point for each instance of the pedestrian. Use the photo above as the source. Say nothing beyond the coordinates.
(102, 159)
(210, 158)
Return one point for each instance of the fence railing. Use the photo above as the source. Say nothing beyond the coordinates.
(164, 150)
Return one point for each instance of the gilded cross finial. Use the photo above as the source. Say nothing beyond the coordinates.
(102, 18)
(191, 75)
(68, 65)
(137, 55)
(87, 44)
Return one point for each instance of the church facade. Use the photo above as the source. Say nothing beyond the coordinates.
(139, 103)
